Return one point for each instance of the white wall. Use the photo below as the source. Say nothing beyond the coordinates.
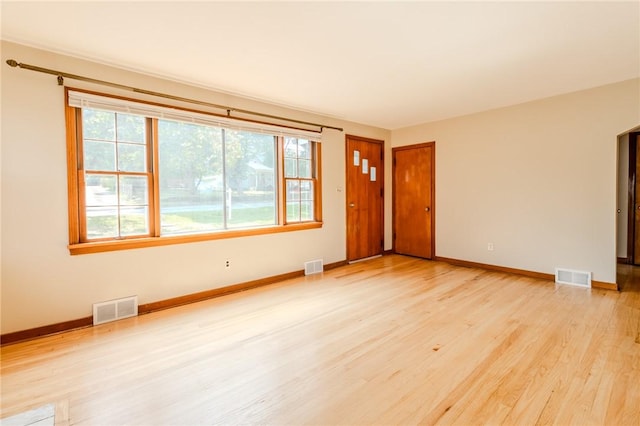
(623, 195)
(538, 180)
(42, 284)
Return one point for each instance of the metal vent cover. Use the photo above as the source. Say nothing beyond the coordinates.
(113, 310)
(573, 277)
(313, 267)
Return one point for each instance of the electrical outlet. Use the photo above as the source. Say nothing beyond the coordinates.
(227, 264)
(490, 246)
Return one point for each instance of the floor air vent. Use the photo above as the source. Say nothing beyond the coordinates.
(571, 277)
(115, 310)
(313, 267)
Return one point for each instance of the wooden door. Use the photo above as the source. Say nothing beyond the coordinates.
(413, 200)
(365, 197)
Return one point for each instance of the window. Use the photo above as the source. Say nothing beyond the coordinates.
(299, 179)
(213, 179)
(144, 175)
(116, 180)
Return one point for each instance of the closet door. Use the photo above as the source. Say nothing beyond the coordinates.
(413, 200)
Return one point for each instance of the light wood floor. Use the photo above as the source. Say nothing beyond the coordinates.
(394, 340)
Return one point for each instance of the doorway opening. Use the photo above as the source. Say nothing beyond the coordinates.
(628, 201)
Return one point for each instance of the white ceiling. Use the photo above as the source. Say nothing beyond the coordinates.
(387, 64)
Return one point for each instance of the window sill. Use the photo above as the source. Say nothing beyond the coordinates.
(135, 243)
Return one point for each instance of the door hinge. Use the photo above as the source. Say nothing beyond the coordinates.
(382, 192)
(382, 243)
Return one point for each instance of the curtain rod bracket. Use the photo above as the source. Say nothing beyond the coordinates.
(60, 80)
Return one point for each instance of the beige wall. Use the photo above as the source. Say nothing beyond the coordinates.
(538, 180)
(42, 284)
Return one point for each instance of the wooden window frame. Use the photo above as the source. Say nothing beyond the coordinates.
(78, 243)
(150, 143)
(314, 179)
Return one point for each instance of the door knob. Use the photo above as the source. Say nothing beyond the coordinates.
(426, 209)
(352, 205)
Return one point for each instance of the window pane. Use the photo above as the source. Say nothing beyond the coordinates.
(291, 147)
(251, 210)
(304, 168)
(293, 211)
(306, 210)
(299, 200)
(133, 190)
(304, 149)
(131, 128)
(298, 158)
(98, 125)
(306, 190)
(102, 222)
(131, 158)
(292, 202)
(293, 190)
(100, 190)
(250, 179)
(191, 218)
(191, 181)
(290, 167)
(134, 221)
(100, 156)
(306, 203)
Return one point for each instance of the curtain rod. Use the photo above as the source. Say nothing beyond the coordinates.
(62, 75)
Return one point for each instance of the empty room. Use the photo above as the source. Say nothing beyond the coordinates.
(323, 213)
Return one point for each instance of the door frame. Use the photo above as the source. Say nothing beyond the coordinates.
(346, 198)
(431, 144)
(631, 210)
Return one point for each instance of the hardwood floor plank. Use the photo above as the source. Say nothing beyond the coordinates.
(392, 340)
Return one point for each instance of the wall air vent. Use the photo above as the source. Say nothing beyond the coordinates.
(115, 310)
(572, 277)
(313, 267)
